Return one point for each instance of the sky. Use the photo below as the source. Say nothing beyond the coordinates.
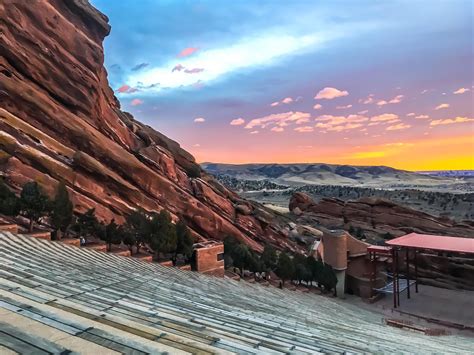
(345, 82)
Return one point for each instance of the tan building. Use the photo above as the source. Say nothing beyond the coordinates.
(208, 258)
(349, 258)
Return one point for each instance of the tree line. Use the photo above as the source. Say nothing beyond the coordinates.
(297, 268)
(140, 229)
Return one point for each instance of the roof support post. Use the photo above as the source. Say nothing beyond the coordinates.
(416, 270)
(408, 271)
(394, 283)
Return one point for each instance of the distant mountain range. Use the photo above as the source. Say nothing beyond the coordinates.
(330, 174)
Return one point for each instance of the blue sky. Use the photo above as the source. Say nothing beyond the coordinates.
(190, 68)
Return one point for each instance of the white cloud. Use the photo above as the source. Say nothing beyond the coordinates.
(273, 104)
(398, 127)
(362, 112)
(287, 100)
(302, 120)
(199, 120)
(461, 91)
(424, 91)
(442, 106)
(451, 121)
(329, 93)
(343, 107)
(397, 99)
(422, 116)
(304, 129)
(237, 122)
(368, 100)
(254, 132)
(253, 51)
(280, 119)
(411, 114)
(384, 117)
(317, 107)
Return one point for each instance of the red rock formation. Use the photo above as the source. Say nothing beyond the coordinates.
(375, 216)
(60, 120)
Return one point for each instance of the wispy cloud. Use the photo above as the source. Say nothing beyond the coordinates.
(199, 120)
(317, 107)
(140, 66)
(193, 70)
(186, 52)
(442, 106)
(304, 129)
(460, 91)
(343, 107)
(384, 117)
(279, 119)
(136, 102)
(125, 89)
(329, 93)
(257, 51)
(398, 127)
(422, 116)
(277, 129)
(397, 99)
(451, 121)
(237, 122)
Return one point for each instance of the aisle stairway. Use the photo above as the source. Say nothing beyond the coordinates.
(57, 298)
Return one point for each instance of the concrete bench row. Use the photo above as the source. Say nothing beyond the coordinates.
(176, 309)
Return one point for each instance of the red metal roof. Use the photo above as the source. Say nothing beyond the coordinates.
(434, 242)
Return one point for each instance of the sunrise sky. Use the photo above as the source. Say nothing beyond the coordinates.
(343, 82)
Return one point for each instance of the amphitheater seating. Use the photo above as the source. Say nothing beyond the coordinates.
(57, 298)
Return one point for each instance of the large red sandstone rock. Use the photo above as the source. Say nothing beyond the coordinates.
(375, 216)
(60, 120)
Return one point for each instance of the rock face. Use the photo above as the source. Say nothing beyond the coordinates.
(375, 217)
(60, 120)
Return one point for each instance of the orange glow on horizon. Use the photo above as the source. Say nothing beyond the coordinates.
(449, 153)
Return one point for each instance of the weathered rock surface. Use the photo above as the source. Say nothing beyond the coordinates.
(60, 120)
(375, 217)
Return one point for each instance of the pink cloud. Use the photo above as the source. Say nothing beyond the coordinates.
(188, 51)
(317, 107)
(422, 116)
(199, 120)
(460, 91)
(411, 114)
(329, 93)
(254, 132)
(287, 100)
(368, 100)
(125, 89)
(177, 67)
(343, 107)
(277, 129)
(398, 127)
(280, 119)
(442, 106)
(193, 70)
(451, 121)
(384, 117)
(273, 104)
(304, 129)
(137, 102)
(237, 122)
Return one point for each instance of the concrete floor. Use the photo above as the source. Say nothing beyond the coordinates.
(456, 306)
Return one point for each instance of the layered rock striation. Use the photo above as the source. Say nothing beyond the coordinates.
(376, 217)
(60, 120)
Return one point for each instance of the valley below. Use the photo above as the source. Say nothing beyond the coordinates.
(441, 195)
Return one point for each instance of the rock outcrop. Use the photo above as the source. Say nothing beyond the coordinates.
(60, 120)
(376, 217)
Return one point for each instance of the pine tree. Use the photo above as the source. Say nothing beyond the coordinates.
(87, 223)
(34, 204)
(162, 233)
(9, 203)
(62, 210)
(185, 241)
(112, 235)
(285, 268)
(269, 257)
